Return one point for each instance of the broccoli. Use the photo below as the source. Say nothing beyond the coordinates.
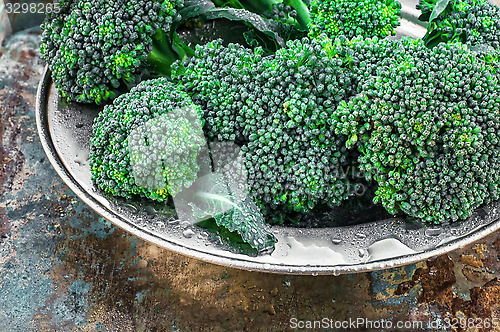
(150, 143)
(278, 109)
(94, 48)
(350, 18)
(428, 130)
(473, 22)
(367, 18)
(419, 118)
(147, 142)
(99, 49)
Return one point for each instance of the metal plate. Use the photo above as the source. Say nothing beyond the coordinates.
(65, 131)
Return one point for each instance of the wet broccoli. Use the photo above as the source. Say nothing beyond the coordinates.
(278, 108)
(368, 18)
(473, 22)
(150, 143)
(94, 48)
(428, 130)
(147, 142)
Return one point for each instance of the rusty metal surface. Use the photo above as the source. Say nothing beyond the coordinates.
(64, 268)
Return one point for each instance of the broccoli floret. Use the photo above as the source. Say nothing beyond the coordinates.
(472, 22)
(278, 109)
(350, 18)
(93, 48)
(150, 143)
(428, 131)
(147, 142)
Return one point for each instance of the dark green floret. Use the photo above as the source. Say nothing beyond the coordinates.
(150, 143)
(428, 130)
(94, 48)
(278, 108)
(473, 22)
(350, 18)
(147, 142)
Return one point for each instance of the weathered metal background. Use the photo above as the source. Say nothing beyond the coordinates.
(63, 268)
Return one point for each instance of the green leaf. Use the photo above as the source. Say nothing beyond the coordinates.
(228, 238)
(270, 28)
(235, 212)
(438, 9)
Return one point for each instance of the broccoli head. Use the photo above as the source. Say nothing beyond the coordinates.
(368, 18)
(147, 142)
(95, 47)
(278, 108)
(428, 131)
(473, 22)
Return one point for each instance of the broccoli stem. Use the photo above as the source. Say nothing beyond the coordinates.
(162, 55)
(303, 15)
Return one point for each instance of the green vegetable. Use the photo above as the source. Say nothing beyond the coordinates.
(428, 131)
(293, 13)
(350, 18)
(99, 49)
(239, 136)
(279, 109)
(96, 48)
(147, 142)
(150, 143)
(215, 196)
(473, 22)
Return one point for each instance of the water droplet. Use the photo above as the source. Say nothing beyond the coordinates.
(79, 125)
(361, 252)
(188, 233)
(361, 235)
(132, 207)
(184, 223)
(433, 231)
(336, 241)
(267, 266)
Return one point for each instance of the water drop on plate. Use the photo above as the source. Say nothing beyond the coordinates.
(188, 233)
(433, 232)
